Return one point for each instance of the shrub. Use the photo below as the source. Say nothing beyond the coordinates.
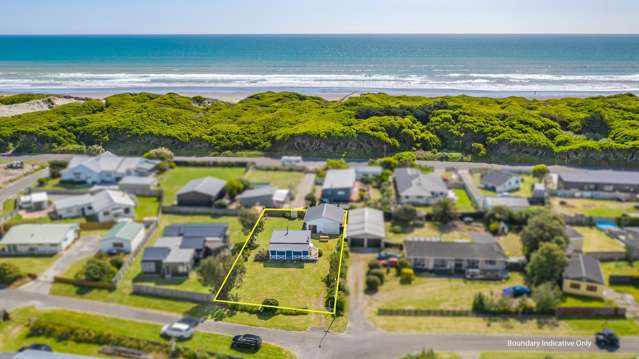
(160, 154)
(234, 187)
(98, 270)
(396, 228)
(320, 252)
(261, 255)
(547, 297)
(117, 262)
(444, 211)
(373, 264)
(221, 203)
(401, 264)
(405, 213)
(270, 302)
(407, 275)
(9, 273)
(379, 273)
(43, 181)
(372, 283)
(56, 167)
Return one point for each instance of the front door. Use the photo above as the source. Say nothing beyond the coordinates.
(459, 265)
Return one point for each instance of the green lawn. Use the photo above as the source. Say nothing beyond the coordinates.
(523, 355)
(454, 231)
(279, 179)
(8, 206)
(17, 330)
(296, 285)
(56, 183)
(464, 204)
(511, 244)
(592, 207)
(525, 190)
(146, 207)
(570, 300)
(33, 265)
(45, 219)
(622, 268)
(597, 241)
(172, 181)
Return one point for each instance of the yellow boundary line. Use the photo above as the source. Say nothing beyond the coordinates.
(239, 255)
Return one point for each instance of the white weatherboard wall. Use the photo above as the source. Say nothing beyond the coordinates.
(113, 244)
(324, 226)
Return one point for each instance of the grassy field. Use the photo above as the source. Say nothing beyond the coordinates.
(597, 241)
(45, 219)
(622, 268)
(435, 292)
(18, 331)
(172, 181)
(522, 355)
(146, 207)
(296, 285)
(592, 207)
(56, 183)
(33, 265)
(8, 205)
(455, 231)
(525, 190)
(279, 179)
(569, 300)
(464, 204)
(511, 244)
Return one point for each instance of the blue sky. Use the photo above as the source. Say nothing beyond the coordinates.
(318, 16)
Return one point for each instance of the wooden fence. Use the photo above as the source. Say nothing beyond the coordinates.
(590, 312)
(172, 293)
(200, 210)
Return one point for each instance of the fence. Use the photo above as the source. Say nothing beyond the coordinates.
(131, 258)
(172, 294)
(623, 279)
(592, 312)
(562, 312)
(203, 162)
(617, 196)
(85, 283)
(608, 256)
(201, 210)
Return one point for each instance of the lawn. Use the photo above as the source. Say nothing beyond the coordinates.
(435, 292)
(464, 204)
(279, 179)
(122, 295)
(454, 231)
(146, 207)
(622, 268)
(570, 300)
(597, 241)
(172, 181)
(45, 219)
(56, 183)
(525, 190)
(8, 206)
(17, 329)
(33, 265)
(296, 285)
(585, 355)
(592, 207)
(511, 244)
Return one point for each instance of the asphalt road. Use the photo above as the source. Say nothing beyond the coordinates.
(21, 184)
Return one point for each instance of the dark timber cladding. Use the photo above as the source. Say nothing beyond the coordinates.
(201, 192)
(599, 180)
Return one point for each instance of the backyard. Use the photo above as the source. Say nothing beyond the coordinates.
(622, 268)
(592, 207)
(279, 179)
(146, 207)
(597, 241)
(454, 231)
(525, 190)
(31, 264)
(296, 285)
(173, 180)
(18, 330)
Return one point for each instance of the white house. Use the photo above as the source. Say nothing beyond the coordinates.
(291, 160)
(123, 237)
(34, 202)
(103, 206)
(106, 168)
(414, 187)
(44, 239)
(324, 219)
(501, 181)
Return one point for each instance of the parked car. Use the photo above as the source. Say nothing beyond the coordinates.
(607, 339)
(15, 165)
(36, 346)
(517, 291)
(246, 341)
(386, 255)
(182, 329)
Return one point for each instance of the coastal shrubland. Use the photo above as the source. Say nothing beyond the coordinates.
(570, 130)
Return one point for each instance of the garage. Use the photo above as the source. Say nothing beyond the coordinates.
(365, 228)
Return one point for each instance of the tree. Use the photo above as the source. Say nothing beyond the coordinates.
(547, 297)
(98, 270)
(248, 219)
(160, 154)
(335, 165)
(444, 211)
(541, 228)
(498, 214)
(234, 187)
(546, 264)
(405, 159)
(388, 163)
(9, 273)
(372, 283)
(540, 171)
(311, 199)
(407, 275)
(56, 167)
(595, 126)
(379, 273)
(405, 213)
(373, 264)
(95, 150)
(212, 270)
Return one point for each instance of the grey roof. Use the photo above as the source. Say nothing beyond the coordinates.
(155, 253)
(138, 180)
(38, 233)
(73, 201)
(365, 222)
(177, 253)
(435, 248)
(572, 232)
(483, 237)
(339, 178)
(112, 163)
(207, 185)
(108, 198)
(290, 240)
(600, 176)
(258, 192)
(413, 182)
(206, 231)
(125, 231)
(326, 211)
(496, 178)
(511, 202)
(583, 268)
(368, 170)
(40, 354)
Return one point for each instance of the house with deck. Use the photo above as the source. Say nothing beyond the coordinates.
(288, 245)
(414, 187)
(324, 219)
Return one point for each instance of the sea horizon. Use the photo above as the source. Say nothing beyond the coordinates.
(495, 65)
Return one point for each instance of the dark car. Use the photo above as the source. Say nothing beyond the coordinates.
(607, 339)
(36, 346)
(517, 291)
(247, 341)
(387, 255)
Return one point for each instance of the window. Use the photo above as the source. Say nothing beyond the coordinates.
(440, 263)
(106, 213)
(118, 245)
(419, 262)
(575, 286)
(127, 210)
(148, 267)
(591, 288)
(491, 262)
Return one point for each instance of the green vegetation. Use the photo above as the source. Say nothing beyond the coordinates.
(279, 179)
(592, 207)
(571, 300)
(8, 206)
(21, 98)
(18, 330)
(172, 181)
(592, 130)
(146, 207)
(622, 268)
(597, 241)
(525, 190)
(32, 265)
(463, 204)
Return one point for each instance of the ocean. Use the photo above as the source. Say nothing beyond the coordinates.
(492, 65)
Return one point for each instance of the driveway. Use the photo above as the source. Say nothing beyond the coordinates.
(82, 248)
(303, 188)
